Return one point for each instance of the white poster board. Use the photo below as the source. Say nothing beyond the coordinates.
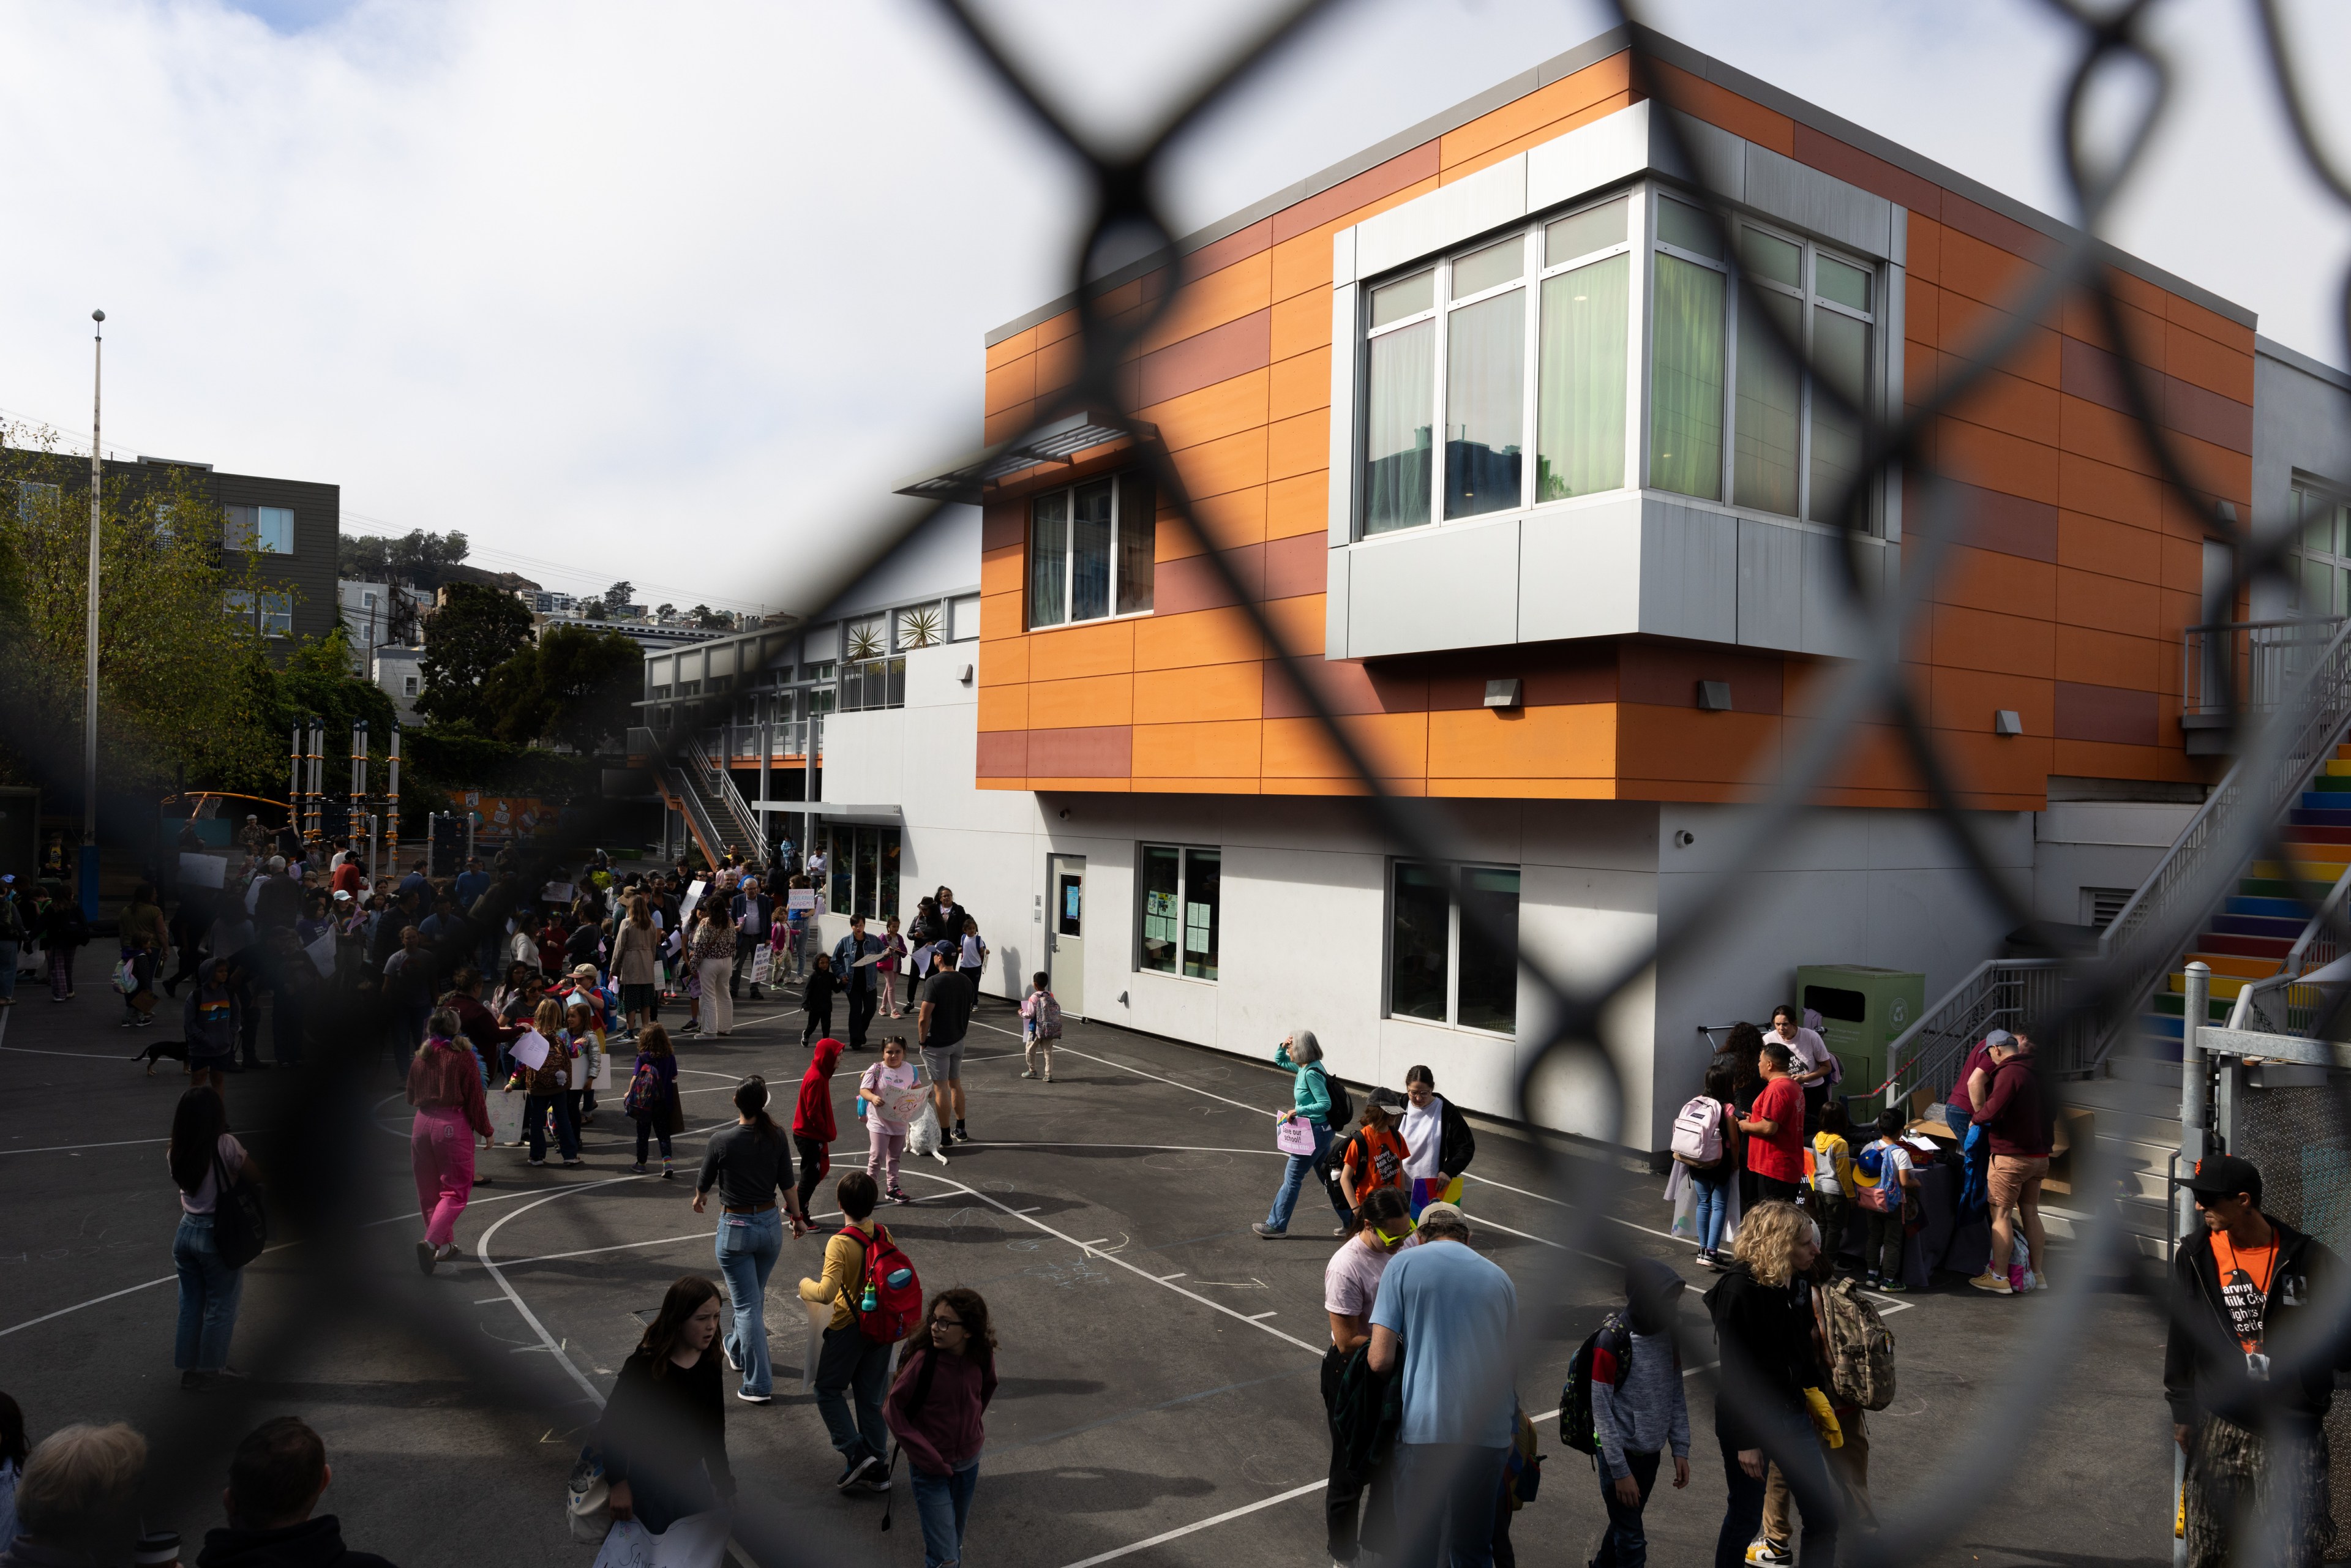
(531, 1049)
(505, 1116)
(203, 871)
(697, 1541)
(556, 892)
(692, 896)
(799, 898)
(322, 951)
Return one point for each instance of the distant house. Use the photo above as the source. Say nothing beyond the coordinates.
(397, 673)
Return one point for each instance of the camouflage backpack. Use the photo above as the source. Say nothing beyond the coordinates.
(1860, 1346)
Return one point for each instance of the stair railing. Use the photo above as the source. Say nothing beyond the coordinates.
(2137, 950)
(1999, 993)
(720, 783)
(2280, 1003)
(689, 799)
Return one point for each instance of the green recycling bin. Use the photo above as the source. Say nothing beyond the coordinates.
(1863, 1011)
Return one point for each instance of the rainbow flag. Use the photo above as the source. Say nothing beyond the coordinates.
(1426, 1190)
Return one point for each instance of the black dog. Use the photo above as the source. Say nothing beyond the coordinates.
(177, 1050)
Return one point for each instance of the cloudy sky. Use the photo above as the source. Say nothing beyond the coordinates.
(676, 293)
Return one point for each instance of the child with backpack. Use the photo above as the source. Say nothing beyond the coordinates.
(882, 1088)
(1885, 1167)
(1040, 1025)
(1706, 1148)
(876, 1301)
(652, 1098)
(1623, 1405)
(1832, 1179)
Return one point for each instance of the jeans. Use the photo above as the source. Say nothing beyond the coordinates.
(534, 1108)
(209, 1289)
(1293, 1176)
(9, 952)
(1882, 1254)
(1447, 1493)
(1624, 1544)
(748, 1246)
(850, 1363)
(1712, 1192)
(1742, 1514)
(407, 1032)
(943, 1502)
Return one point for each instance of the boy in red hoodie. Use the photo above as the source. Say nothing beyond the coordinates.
(812, 1124)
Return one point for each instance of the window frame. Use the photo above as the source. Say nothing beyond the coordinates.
(842, 864)
(1450, 874)
(1118, 480)
(274, 612)
(2302, 493)
(1643, 244)
(241, 528)
(1184, 855)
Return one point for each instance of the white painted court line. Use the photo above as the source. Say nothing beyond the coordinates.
(1260, 1317)
(591, 1251)
(482, 1254)
(65, 1148)
(1165, 1278)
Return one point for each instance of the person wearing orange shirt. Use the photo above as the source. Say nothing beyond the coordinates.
(1375, 1156)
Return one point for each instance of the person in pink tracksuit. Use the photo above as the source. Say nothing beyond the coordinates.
(444, 1084)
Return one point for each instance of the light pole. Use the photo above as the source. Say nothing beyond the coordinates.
(90, 668)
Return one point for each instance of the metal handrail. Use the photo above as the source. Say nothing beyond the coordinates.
(721, 786)
(2270, 655)
(689, 799)
(2315, 950)
(1999, 993)
(2190, 879)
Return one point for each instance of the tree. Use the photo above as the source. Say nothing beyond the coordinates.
(710, 620)
(663, 612)
(617, 598)
(574, 687)
(418, 560)
(474, 631)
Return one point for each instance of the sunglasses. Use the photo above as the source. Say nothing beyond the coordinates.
(1395, 1238)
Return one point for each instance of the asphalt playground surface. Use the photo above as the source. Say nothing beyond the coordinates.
(1159, 1398)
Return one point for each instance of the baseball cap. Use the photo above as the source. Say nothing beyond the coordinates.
(1440, 1211)
(1999, 1038)
(2225, 1175)
(342, 895)
(1385, 1099)
(583, 971)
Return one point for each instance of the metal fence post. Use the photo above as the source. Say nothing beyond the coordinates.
(2195, 1111)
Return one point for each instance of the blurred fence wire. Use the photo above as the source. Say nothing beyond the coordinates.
(338, 1279)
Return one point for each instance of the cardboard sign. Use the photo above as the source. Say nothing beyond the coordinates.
(556, 892)
(203, 871)
(322, 952)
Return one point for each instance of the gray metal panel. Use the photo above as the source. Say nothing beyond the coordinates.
(1689, 572)
(1334, 608)
(1443, 217)
(1721, 157)
(1346, 344)
(1451, 586)
(1820, 202)
(1831, 622)
(1614, 148)
(1770, 585)
(1890, 366)
(1898, 253)
(1563, 554)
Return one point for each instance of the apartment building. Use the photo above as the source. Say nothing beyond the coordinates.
(1487, 427)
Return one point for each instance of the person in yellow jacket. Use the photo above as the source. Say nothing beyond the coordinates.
(848, 1360)
(1835, 1191)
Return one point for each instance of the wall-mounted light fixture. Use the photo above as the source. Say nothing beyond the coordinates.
(1504, 694)
(2006, 721)
(1714, 697)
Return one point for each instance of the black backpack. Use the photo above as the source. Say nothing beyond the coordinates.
(1366, 1414)
(1343, 1108)
(1575, 1426)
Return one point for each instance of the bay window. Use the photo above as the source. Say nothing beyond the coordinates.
(1090, 550)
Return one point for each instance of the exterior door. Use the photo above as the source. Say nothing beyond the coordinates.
(1065, 932)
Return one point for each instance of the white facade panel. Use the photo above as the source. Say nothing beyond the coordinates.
(1588, 158)
(1342, 417)
(1425, 588)
(1718, 159)
(1562, 553)
(1445, 217)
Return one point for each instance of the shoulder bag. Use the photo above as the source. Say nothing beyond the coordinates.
(240, 1224)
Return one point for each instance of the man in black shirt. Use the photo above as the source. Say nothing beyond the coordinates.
(945, 1015)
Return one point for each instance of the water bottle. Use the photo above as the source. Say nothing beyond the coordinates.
(870, 1302)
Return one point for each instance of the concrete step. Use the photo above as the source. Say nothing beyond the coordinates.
(2151, 1121)
(2162, 1072)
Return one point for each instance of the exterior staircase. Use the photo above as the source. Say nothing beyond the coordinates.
(717, 822)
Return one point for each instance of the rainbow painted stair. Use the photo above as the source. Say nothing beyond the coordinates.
(2249, 938)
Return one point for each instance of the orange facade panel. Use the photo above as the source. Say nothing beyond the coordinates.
(1067, 652)
(1087, 703)
(1538, 111)
(1223, 749)
(1300, 504)
(1573, 742)
(1719, 106)
(1197, 692)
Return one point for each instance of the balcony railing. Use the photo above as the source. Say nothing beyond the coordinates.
(2251, 666)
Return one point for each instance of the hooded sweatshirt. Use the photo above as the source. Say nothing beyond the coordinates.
(812, 1117)
(313, 1543)
(1639, 1405)
(212, 1015)
(939, 1426)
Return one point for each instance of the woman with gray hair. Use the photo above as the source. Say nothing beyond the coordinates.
(1309, 1103)
(78, 1499)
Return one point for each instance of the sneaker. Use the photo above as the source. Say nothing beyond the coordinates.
(1870, 1281)
(1048, 1078)
(192, 1378)
(856, 1472)
(1769, 1554)
(1267, 1232)
(533, 1162)
(639, 1167)
(732, 1364)
(1027, 1072)
(898, 1195)
(448, 1252)
(1996, 1283)
(666, 1174)
(875, 1484)
(962, 1133)
(1893, 1287)
(574, 1165)
(755, 1399)
(426, 1256)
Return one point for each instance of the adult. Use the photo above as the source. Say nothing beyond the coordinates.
(16, 932)
(143, 933)
(1813, 1067)
(481, 1027)
(857, 980)
(813, 1129)
(946, 1378)
(751, 1167)
(1375, 1156)
(940, 1024)
(664, 1436)
(2257, 1337)
(1772, 1396)
(1775, 1129)
(1351, 1287)
(2021, 1128)
(203, 1151)
(1309, 1103)
(65, 931)
(346, 877)
(471, 883)
(1438, 1139)
(275, 1482)
(713, 950)
(951, 915)
(278, 900)
(849, 1364)
(752, 913)
(1449, 1318)
(407, 992)
(444, 1084)
(77, 1502)
(253, 838)
(294, 982)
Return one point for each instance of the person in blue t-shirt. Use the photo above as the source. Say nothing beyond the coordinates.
(1450, 1317)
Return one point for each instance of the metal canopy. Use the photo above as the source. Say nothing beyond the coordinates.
(1058, 441)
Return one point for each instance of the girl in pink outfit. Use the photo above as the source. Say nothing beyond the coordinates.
(444, 1084)
(885, 1140)
(894, 954)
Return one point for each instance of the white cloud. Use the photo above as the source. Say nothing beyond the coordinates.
(676, 294)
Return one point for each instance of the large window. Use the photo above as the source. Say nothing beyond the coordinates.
(1524, 344)
(1090, 550)
(1182, 905)
(2322, 575)
(262, 530)
(868, 683)
(277, 614)
(1453, 945)
(862, 868)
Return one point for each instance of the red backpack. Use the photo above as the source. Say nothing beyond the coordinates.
(889, 1304)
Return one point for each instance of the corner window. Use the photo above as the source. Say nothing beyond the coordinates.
(1182, 914)
(265, 530)
(1090, 550)
(861, 870)
(1441, 966)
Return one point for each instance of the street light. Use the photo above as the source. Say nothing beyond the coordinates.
(89, 670)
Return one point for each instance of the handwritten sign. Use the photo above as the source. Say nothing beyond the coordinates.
(697, 1541)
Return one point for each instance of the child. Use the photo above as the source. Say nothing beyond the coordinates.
(813, 1126)
(894, 953)
(652, 1099)
(816, 1000)
(1714, 1188)
(1040, 1024)
(1832, 1180)
(1638, 1408)
(885, 1139)
(585, 1043)
(1887, 1164)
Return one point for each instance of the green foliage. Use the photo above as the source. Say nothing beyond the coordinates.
(710, 620)
(617, 598)
(459, 756)
(417, 558)
(574, 687)
(475, 630)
